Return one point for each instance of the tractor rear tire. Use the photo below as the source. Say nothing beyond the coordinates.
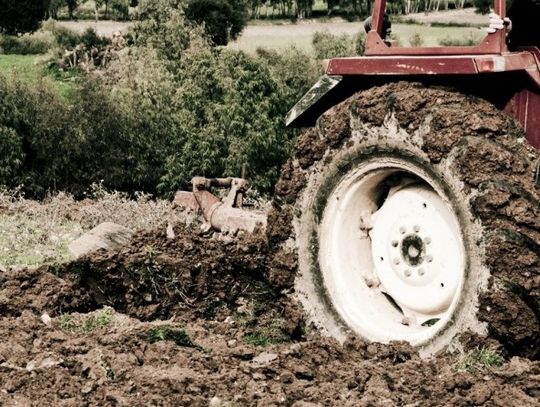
(417, 218)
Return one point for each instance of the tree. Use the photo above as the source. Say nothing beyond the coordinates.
(72, 6)
(22, 16)
(223, 20)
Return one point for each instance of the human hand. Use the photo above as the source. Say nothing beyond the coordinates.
(497, 23)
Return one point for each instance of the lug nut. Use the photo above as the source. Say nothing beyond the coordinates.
(429, 258)
(416, 228)
(395, 243)
(396, 261)
(427, 240)
(421, 272)
(402, 230)
(408, 273)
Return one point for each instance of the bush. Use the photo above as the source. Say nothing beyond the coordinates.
(223, 20)
(25, 45)
(170, 108)
(35, 118)
(328, 45)
(64, 37)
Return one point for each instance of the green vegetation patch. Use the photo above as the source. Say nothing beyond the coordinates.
(86, 323)
(167, 333)
(479, 359)
(29, 241)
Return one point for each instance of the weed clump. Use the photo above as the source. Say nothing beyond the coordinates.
(479, 359)
(86, 323)
(167, 333)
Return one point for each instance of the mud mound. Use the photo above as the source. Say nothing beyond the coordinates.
(197, 273)
(125, 362)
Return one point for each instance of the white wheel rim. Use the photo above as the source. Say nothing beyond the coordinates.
(392, 270)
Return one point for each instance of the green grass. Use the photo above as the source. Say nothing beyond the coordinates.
(167, 333)
(479, 360)
(28, 241)
(33, 233)
(86, 323)
(29, 69)
(22, 66)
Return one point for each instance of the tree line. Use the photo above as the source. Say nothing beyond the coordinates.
(225, 12)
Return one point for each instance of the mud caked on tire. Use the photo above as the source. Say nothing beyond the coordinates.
(417, 218)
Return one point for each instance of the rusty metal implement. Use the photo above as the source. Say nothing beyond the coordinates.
(227, 215)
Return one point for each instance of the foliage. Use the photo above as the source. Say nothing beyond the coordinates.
(86, 323)
(26, 44)
(56, 5)
(171, 108)
(167, 333)
(483, 6)
(328, 45)
(21, 16)
(35, 233)
(479, 359)
(223, 20)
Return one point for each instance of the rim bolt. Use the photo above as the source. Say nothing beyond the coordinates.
(421, 272)
(416, 228)
(427, 240)
(402, 230)
(429, 258)
(395, 243)
(396, 261)
(408, 273)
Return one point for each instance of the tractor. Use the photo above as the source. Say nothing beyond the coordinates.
(423, 225)
(418, 215)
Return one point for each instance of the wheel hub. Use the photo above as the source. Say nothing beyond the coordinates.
(390, 253)
(416, 253)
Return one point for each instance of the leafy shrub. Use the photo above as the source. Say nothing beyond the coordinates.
(25, 45)
(171, 108)
(90, 39)
(223, 20)
(64, 37)
(328, 45)
(37, 119)
(11, 154)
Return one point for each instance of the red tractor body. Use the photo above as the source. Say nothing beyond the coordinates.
(510, 80)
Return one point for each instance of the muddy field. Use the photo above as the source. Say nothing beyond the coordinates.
(113, 331)
(207, 319)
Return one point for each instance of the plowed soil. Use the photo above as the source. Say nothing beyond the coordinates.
(206, 319)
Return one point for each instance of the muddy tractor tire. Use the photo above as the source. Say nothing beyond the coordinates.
(417, 218)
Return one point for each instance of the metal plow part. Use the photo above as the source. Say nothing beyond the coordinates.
(224, 216)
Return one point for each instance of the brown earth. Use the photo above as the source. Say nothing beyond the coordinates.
(206, 319)
(247, 343)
